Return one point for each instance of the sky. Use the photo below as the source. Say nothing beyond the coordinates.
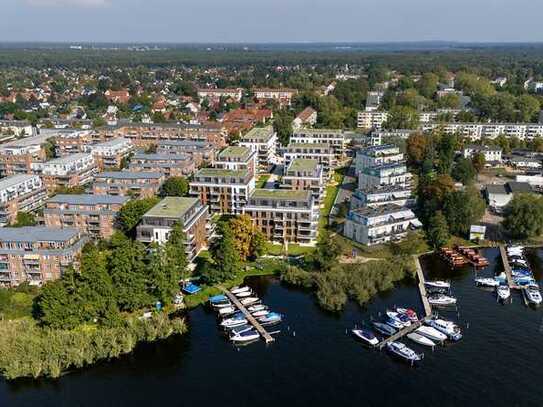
(253, 21)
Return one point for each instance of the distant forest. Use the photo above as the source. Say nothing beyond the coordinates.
(410, 58)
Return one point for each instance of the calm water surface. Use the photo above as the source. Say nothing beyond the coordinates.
(315, 362)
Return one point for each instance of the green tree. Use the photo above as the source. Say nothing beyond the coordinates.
(463, 209)
(50, 148)
(24, 219)
(402, 117)
(524, 216)
(224, 253)
(478, 161)
(248, 240)
(175, 186)
(464, 171)
(128, 274)
(438, 231)
(328, 251)
(282, 124)
(132, 212)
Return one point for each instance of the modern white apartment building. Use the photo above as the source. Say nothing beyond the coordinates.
(110, 153)
(476, 131)
(282, 95)
(377, 155)
(20, 193)
(69, 171)
(236, 158)
(371, 120)
(234, 93)
(491, 154)
(284, 215)
(335, 138)
(382, 195)
(375, 225)
(386, 174)
(323, 153)
(304, 174)
(225, 191)
(263, 142)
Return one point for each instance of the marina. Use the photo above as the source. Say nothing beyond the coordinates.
(323, 343)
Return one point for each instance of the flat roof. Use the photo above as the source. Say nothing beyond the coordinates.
(309, 145)
(303, 164)
(68, 159)
(318, 131)
(281, 194)
(111, 143)
(129, 175)
(161, 156)
(37, 234)
(88, 199)
(234, 152)
(172, 207)
(15, 179)
(27, 141)
(221, 172)
(496, 189)
(259, 133)
(369, 211)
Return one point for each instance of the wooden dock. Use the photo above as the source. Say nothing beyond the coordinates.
(507, 268)
(426, 304)
(252, 320)
(422, 288)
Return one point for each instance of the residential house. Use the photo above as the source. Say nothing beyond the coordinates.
(128, 183)
(323, 153)
(377, 155)
(304, 175)
(282, 95)
(69, 171)
(333, 137)
(262, 141)
(201, 152)
(237, 158)
(306, 118)
(385, 174)
(110, 154)
(171, 165)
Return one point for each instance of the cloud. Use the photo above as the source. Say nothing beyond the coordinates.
(68, 3)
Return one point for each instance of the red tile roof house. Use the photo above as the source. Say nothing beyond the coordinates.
(117, 96)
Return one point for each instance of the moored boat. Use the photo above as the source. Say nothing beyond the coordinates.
(244, 294)
(366, 336)
(233, 322)
(260, 313)
(431, 333)
(237, 290)
(441, 300)
(249, 300)
(532, 294)
(270, 319)
(226, 311)
(403, 352)
(449, 328)
(486, 282)
(503, 292)
(442, 285)
(246, 336)
(257, 307)
(411, 314)
(394, 323)
(240, 329)
(420, 339)
(383, 328)
(403, 320)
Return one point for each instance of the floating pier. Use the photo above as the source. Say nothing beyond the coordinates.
(426, 304)
(507, 269)
(252, 320)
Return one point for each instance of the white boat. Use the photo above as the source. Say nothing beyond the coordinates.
(411, 314)
(403, 320)
(442, 300)
(246, 336)
(258, 307)
(447, 327)
(244, 294)
(260, 313)
(443, 285)
(366, 336)
(403, 352)
(222, 304)
(421, 339)
(503, 292)
(237, 290)
(431, 333)
(226, 311)
(486, 282)
(532, 294)
(233, 322)
(249, 300)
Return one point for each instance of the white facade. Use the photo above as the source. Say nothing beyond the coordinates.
(378, 196)
(263, 142)
(387, 174)
(491, 154)
(371, 120)
(333, 137)
(18, 185)
(476, 131)
(386, 223)
(65, 165)
(111, 148)
(377, 155)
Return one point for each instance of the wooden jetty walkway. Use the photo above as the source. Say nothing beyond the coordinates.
(426, 304)
(252, 320)
(507, 268)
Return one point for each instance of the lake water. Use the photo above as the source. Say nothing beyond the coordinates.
(315, 362)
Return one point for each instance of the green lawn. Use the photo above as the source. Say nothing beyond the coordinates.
(331, 192)
(261, 181)
(293, 249)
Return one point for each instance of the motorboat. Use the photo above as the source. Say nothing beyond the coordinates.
(401, 318)
(421, 339)
(403, 352)
(486, 282)
(246, 336)
(441, 300)
(366, 335)
(411, 314)
(260, 313)
(431, 333)
(501, 278)
(449, 328)
(238, 290)
(270, 319)
(503, 292)
(383, 328)
(394, 323)
(525, 281)
(217, 298)
(257, 307)
(440, 285)
(244, 294)
(249, 300)
(221, 304)
(532, 294)
(226, 311)
(233, 322)
(240, 329)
